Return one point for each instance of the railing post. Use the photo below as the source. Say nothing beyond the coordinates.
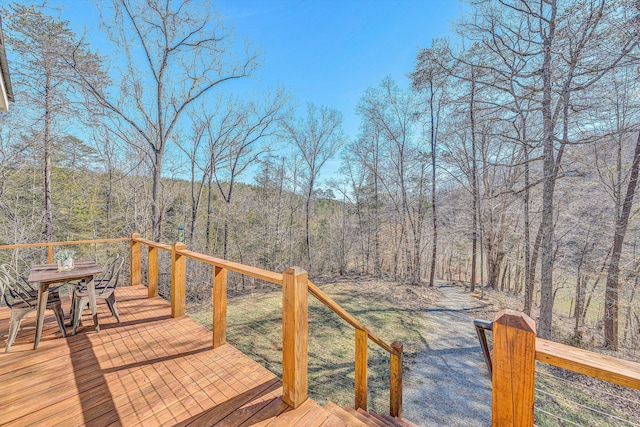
(50, 253)
(294, 336)
(178, 280)
(362, 339)
(395, 398)
(134, 265)
(219, 303)
(514, 352)
(152, 271)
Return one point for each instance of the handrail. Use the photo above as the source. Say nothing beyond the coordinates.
(50, 245)
(516, 347)
(601, 366)
(153, 244)
(481, 327)
(67, 243)
(618, 371)
(258, 273)
(344, 315)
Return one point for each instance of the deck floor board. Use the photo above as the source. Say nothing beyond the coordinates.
(148, 370)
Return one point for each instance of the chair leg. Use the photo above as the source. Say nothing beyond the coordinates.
(111, 302)
(57, 310)
(14, 324)
(79, 306)
(73, 306)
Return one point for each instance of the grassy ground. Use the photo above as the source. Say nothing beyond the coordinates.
(392, 311)
(566, 398)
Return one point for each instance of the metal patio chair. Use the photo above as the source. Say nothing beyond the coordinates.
(100, 279)
(22, 298)
(105, 286)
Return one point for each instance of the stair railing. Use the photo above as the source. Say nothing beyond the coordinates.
(295, 289)
(516, 348)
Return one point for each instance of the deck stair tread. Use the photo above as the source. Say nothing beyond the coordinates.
(364, 417)
(400, 422)
(344, 415)
(378, 417)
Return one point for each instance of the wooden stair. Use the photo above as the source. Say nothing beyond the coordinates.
(360, 418)
(310, 414)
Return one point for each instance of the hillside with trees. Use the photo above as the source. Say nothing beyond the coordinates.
(511, 161)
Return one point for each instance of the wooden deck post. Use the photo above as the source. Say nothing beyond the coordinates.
(362, 341)
(134, 266)
(152, 271)
(178, 280)
(514, 352)
(395, 398)
(219, 303)
(294, 336)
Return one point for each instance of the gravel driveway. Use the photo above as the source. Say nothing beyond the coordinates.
(449, 384)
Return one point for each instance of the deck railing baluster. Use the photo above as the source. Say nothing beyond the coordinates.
(362, 360)
(178, 280)
(395, 380)
(152, 271)
(135, 260)
(295, 339)
(219, 302)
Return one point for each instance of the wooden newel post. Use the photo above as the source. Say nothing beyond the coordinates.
(294, 336)
(514, 354)
(395, 398)
(152, 271)
(362, 341)
(134, 266)
(178, 280)
(219, 303)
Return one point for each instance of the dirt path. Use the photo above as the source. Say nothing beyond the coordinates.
(449, 384)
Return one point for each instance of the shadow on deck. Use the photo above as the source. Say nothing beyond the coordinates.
(148, 370)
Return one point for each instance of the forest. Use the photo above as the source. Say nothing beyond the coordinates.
(511, 160)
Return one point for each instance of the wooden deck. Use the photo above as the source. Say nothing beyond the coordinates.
(148, 370)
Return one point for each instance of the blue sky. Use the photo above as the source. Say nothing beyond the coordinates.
(329, 52)
(323, 51)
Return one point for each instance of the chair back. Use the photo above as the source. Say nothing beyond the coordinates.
(110, 278)
(111, 262)
(15, 289)
(103, 278)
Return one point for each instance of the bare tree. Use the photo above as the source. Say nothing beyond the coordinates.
(242, 145)
(318, 137)
(402, 170)
(431, 78)
(567, 51)
(612, 286)
(186, 52)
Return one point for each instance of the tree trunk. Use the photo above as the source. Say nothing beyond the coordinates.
(434, 244)
(48, 215)
(225, 242)
(156, 209)
(528, 285)
(612, 286)
(546, 274)
(307, 214)
(474, 186)
(209, 213)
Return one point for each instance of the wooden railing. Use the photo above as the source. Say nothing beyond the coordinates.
(50, 245)
(295, 289)
(515, 350)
